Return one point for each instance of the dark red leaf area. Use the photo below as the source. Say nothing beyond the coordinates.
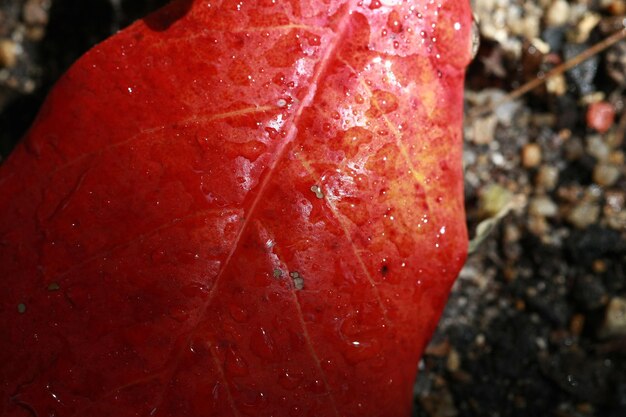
(237, 208)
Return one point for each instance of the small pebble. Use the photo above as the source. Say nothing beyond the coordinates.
(616, 158)
(558, 13)
(541, 343)
(547, 177)
(453, 362)
(584, 27)
(599, 266)
(541, 46)
(512, 233)
(592, 97)
(493, 199)
(484, 129)
(506, 112)
(531, 155)
(605, 174)
(584, 214)
(538, 225)
(8, 53)
(557, 85)
(600, 116)
(616, 62)
(614, 209)
(614, 318)
(35, 33)
(543, 206)
(598, 148)
(616, 7)
(438, 349)
(577, 324)
(615, 200)
(35, 13)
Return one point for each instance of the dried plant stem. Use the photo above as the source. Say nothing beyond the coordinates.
(559, 69)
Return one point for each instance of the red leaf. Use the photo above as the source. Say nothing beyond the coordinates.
(238, 208)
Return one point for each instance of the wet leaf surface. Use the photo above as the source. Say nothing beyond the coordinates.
(238, 209)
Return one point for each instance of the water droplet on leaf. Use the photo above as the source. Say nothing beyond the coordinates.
(262, 345)
(235, 365)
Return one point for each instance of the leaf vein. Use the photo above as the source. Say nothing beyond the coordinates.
(291, 136)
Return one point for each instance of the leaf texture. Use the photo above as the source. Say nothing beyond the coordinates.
(238, 208)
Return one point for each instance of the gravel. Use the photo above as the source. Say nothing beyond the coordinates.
(538, 315)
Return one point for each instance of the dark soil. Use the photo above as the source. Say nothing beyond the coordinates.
(536, 325)
(51, 34)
